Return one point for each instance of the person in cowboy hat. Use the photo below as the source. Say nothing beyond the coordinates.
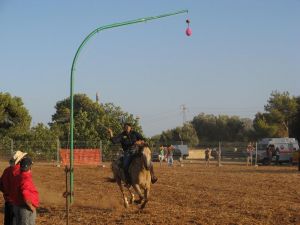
(129, 139)
(28, 196)
(7, 185)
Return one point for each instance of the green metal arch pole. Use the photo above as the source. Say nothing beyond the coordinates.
(94, 32)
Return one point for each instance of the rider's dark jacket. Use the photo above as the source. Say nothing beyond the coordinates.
(127, 140)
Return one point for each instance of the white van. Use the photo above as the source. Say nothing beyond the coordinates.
(286, 146)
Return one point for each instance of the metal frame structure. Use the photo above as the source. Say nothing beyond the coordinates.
(70, 195)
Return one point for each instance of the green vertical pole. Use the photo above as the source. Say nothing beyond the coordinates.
(72, 83)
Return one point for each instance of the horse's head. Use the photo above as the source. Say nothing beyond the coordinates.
(146, 155)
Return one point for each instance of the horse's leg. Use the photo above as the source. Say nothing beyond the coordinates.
(123, 194)
(138, 191)
(131, 195)
(146, 196)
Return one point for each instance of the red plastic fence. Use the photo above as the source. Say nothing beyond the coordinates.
(82, 157)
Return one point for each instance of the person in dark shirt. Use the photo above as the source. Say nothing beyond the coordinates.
(129, 139)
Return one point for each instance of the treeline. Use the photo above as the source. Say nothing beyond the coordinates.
(91, 120)
(281, 118)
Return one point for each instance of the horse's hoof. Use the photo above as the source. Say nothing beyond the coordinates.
(126, 203)
(143, 205)
(131, 201)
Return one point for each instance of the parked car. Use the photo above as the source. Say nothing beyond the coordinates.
(155, 157)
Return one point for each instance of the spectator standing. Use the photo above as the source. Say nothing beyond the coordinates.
(170, 150)
(8, 186)
(27, 197)
(161, 155)
(250, 150)
(207, 156)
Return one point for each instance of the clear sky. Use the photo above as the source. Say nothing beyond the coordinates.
(239, 52)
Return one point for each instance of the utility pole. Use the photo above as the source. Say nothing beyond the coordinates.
(183, 109)
(97, 98)
(138, 120)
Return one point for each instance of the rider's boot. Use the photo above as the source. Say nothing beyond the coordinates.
(153, 177)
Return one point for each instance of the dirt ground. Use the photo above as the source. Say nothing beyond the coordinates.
(191, 194)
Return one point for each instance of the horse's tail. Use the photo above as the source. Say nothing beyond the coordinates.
(115, 171)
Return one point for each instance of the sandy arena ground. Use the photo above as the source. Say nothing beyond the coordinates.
(192, 194)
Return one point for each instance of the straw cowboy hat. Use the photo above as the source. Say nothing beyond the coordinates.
(18, 156)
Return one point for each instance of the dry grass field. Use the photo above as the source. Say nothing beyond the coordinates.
(191, 194)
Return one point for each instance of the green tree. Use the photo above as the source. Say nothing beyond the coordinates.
(211, 128)
(295, 124)
(282, 108)
(263, 128)
(235, 129)
(166, 137)
(186, 134)
(40, 142)
(249, 132)
(189, 135)
(115, 116)
(14, 117)
(280, 112)
(91, 121)
(206, 127)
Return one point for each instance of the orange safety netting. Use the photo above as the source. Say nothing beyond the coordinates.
(82, 156)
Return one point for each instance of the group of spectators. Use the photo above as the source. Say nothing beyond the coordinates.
(20, 194)
(271, 151)
(166, 154)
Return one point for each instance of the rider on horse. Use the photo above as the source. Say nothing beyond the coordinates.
(129, 140)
